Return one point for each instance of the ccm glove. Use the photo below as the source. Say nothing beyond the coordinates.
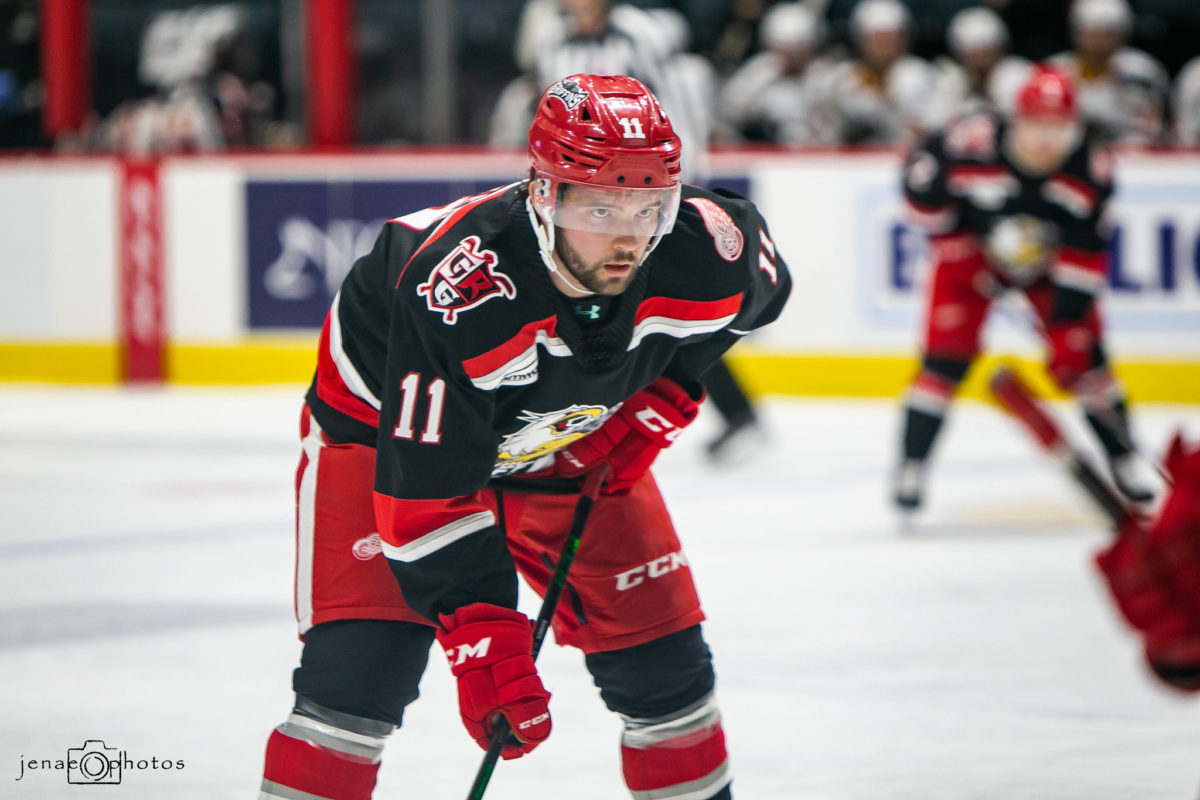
(1070, 352)
(490, 653)
(633, 437)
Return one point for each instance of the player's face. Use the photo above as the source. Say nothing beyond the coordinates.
(981, 59)
(1039, 144)
(1098, 43)
(602, 235)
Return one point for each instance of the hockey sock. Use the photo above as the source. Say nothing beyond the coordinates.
(680, 755)
(925, 408)
(1105, 411)
(329, 755)
(920, 431)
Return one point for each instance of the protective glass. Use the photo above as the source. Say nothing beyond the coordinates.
(644, 213)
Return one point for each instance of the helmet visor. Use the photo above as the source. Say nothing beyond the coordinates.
(643, 213)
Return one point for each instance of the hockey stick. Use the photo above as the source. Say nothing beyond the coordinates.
(1019, 401)
(1024, 319)
(583, 509)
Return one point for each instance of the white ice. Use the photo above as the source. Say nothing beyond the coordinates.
(145, 600)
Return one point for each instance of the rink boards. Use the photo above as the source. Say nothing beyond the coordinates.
(227, 263)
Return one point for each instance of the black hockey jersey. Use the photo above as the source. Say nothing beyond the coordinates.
(960, 183)
(449, 351)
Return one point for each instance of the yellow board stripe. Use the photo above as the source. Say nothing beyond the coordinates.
(292, 359)
(61, 362)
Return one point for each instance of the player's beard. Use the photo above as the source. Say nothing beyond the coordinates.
(593, 276)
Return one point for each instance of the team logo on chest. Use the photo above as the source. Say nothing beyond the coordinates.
(546, 432)
(464, 279)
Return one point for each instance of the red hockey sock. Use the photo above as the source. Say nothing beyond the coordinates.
(322, 764)
(681, 757)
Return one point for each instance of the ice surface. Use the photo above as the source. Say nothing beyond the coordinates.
(145, 600)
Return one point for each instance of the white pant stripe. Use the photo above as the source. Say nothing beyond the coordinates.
(305, 521)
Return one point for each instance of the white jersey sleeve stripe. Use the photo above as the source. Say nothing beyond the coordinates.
(437, 539)
(345, 366)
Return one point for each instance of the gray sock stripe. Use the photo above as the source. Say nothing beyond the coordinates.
(369, 748)
(642, 732)
(277, 791)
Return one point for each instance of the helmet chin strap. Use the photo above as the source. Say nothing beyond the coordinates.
(544, 232)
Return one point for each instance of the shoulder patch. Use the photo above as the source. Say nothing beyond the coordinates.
(972, 137)
(727, 237)
(464, 279)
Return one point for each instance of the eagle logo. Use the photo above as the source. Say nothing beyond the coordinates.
(547, 432)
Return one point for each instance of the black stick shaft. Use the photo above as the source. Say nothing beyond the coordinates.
(583, 509)
(1019, 401)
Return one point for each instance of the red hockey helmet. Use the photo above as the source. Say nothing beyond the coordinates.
(606, 134)
(604, 130)
(1047, 93)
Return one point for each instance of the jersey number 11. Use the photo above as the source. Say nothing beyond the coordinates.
(409, 390)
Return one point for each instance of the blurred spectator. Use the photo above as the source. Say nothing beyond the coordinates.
(1122, 91)
(200, 62)
(884, 95)
(737, 36)
(20, 85)
(774, 96)
(1187, 104)
(980, 73)
(602, 38)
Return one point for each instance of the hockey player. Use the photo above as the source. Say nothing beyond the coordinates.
(1014, 206)
(481, 353)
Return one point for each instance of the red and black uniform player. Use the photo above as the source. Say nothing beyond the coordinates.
(1014, 205)
(482, 354)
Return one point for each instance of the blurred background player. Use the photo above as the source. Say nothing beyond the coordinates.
(1014, 206)
(456, 380)
(884, 95)
(1122, 90)
(773, 97)
(980, 74)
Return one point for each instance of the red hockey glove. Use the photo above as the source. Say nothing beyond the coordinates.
(1153, 571)
(1070, 352)
(632, 438)
(489, 649)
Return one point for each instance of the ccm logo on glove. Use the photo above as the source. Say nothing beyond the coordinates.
(465, 651)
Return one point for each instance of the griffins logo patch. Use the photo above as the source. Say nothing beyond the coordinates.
(464, 279)
(569, 92)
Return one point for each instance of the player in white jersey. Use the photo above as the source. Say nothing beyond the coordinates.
(883, 96)
(1122, 90)
(774, 95)
(1186, 104)
(980, 74)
